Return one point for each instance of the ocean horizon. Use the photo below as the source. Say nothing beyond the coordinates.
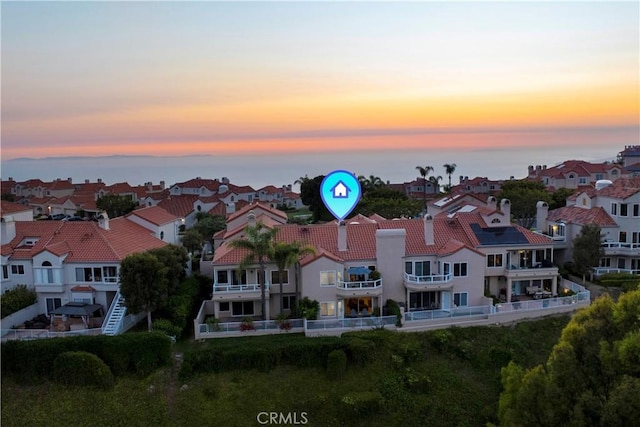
(260, 170)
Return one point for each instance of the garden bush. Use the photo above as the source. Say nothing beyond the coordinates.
(135, 353)
(627, 281)
(82, 369)
(336, 364)
(360, 351)
(167, 327)
(16, 299)
(361, 403)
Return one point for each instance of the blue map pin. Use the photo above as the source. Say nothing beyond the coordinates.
(340, 192)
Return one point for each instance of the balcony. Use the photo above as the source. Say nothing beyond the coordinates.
(621, 248)
(362, 288)
(250, 291)
(430, 282)
(530, 271)
(599, 271)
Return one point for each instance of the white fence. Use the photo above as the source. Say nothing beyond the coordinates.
(351, 323)
(457, 312)
(32, 334)
(21, 316)
(259, 327)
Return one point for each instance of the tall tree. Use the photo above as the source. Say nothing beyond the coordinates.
(286, 255)
(449, 169)
(435, 180)
(424, 171)
(389, 203)
(116, 205)
(310, 196)
(524, 195)
(258, 242)
(370, 183)
(587, 249)
(591, 378)
(207, 225)
(143, 283)
(175, 259)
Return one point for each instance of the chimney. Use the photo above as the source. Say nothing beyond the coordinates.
(530, 169)
(69, 179)
(461, 179)
(544, 167)
(505, 208)
(86, 181)
(542, 213)
(99, 180)
(251, 218)
(103, 220)
(428, 230)
(162, 185)
(342, 236)
(8, 230)
(492, 203)
(538, 168)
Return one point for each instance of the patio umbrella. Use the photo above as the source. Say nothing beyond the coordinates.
(359, 270)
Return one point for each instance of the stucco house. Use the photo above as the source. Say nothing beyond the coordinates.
(435, 262)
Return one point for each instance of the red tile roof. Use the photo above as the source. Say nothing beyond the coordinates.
(622, 188)
(59, 185)
(582, 216)
(82, 241)
(11, 207)
(180, 206)
(210, 184)
(245, 209)
(155, 215)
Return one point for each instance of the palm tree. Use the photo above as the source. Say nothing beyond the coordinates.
(449, 168)
(424, 171)
(435, 180)
(286, 255)
(258, 242)
(370, 183)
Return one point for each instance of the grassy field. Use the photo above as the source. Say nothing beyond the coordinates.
(442, 378)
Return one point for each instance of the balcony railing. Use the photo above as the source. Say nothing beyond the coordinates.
(536, 266)
(254, 287)
(367, 284)
(622, 246)
(427, 280)
(599, 271)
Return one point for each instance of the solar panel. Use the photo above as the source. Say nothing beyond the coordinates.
(499, 235)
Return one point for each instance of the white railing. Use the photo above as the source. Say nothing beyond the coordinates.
(367, 284)
(33, 334)
(482, 310)
(425, 280)
(621, 245)
(598, 271)
(356, 323)
(258, 325)
(239, 288)
(112, 324)
(543, 304)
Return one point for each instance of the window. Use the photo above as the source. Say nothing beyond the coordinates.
(605, 262)
(460, 269)
(614, 209)
(635, 264)
(327, 278)
(460, 299)
(89, 274)
(418, 268)
(5, 272)
(242, 308)
(582, 180)
(224, 306)
(110, 274)
(624, 209)
(599, 176)
(328, 309)
(288, 302)
(622, 236)
(162, 235)
(614, 172)
(52, 304)
(222, 276)
(635, 237)
(275, 277)
(636, 210)
(621, 263)
(17, 269)
(494, 260)
(446, 268)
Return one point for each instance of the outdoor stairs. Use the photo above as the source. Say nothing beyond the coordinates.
(115, 317)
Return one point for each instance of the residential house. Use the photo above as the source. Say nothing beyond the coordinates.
(575, 173)
(165, 226)
(630, 159)
(477, 185)
(69, 262)
(435, 262)
(615, 208)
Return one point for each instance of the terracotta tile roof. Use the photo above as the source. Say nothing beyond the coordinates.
(622, 188)
(155, 215)
(92, 187)
(59, 185)
(240, 204)
(270, 189)
(81, 288)
(589, 190)
(119, 188)
(7, 208)
(291, 195)
(264, 219)
(360, 219)
(31, 183)
(82, 241)
(245, 209)
(631, 150)
(241, 189)
(210, 184)
(377, 218)
(582, 216)
(180, 206)
(6, 186)
(219, 209)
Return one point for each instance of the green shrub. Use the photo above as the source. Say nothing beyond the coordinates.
(336, 364)
(16, 299)
(167, 327)
(441, 339)
(361, 403)
(394, 310)
(137, 353)
(360, 351)
(627, 281)
(308, 309)
(82, 369)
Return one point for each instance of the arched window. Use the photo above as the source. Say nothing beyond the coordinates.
(162, 235)
(47, 264)
(495, 220)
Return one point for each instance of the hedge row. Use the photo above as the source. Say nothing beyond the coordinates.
(311, 352)
(136, 353)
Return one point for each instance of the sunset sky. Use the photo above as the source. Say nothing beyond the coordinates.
(169, 78)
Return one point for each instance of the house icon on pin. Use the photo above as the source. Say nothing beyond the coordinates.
(340, 191)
